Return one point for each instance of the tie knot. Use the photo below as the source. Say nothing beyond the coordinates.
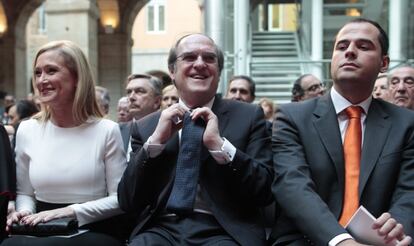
(353, 112)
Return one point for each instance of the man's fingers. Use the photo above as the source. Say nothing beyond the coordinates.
(407, 240)
(378, 223)
(388, 226)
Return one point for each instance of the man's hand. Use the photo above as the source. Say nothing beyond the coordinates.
(211, 137)
(391, 230)
(170, 122)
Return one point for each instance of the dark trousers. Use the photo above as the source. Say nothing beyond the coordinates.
(194, 229)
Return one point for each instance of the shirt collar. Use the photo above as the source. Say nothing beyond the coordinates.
(208, 105)
(340, 103)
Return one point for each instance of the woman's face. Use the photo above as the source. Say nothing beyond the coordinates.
(56, 84)
(169, 98)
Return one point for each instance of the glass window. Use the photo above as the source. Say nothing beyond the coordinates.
(161, 18)
(156, 16)
(150, 18)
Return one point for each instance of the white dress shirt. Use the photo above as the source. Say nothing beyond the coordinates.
(340, 104)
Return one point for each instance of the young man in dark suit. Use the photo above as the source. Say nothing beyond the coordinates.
(315, 176)
(235, 171)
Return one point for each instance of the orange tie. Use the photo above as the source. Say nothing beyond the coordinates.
(352, 155)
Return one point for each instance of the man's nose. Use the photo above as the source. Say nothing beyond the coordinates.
(350, 51)
(199, 62)
(131, 97)
(401, 86)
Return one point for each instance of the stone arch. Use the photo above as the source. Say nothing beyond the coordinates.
(22, 84)
(150, 48)
(115, 51)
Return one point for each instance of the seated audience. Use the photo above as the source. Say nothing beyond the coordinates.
(69, 159)
(241, 88)
(22, 110)
(123, 110)
(307, 86)
(268, 108)
(103, 99)
(401, 86)
(169, 96)
(209, 189)
(381, 87)
(144, 95)
(344, 150)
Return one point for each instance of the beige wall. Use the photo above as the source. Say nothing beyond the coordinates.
(181, 17)
(289, 17)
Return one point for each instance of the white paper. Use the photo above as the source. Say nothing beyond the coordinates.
(360, 227)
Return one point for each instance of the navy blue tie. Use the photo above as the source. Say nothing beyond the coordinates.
(183, 194)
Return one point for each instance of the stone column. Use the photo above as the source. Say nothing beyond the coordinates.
(317, 37)
(75, 20)
(397, 31)
(114, 65)
(241, 23)
(214, 28)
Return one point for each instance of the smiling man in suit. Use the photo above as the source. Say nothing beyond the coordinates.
(234, 162)
(321, 178)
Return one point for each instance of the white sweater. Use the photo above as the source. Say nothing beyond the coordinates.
(80, 165)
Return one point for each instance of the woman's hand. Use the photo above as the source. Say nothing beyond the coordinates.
(15, 217)
(45, 216)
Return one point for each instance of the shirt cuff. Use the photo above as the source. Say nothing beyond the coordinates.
(341, 237)
(152, 149)
(225, 154)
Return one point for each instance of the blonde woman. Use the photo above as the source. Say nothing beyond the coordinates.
(169, 96)
(69, 159)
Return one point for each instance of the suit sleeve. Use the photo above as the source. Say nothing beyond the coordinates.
(7, 166)
(142, 179)
(252, 164)
(402, 204)
(294, 188)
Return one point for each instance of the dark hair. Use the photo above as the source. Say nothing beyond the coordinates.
(172, 56)
(155, 82)
(26, 108)
(252, 85)
(163, 76)
(297, 90)
(382, 37)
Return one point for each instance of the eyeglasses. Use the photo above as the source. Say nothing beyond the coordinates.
(408, 81)
(190, 57)
(315, 87)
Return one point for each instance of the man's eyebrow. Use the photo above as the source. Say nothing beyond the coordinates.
(342, 41)
(365, 40)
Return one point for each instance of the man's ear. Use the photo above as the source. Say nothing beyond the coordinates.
(385, 63)
(157, 102)
(171, 72)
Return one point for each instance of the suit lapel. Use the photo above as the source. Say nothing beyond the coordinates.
(376, 131)
(221, 111)
(219, 108)
(326, 124)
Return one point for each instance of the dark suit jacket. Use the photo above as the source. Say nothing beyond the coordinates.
(7, 178)
(234, 192)
(309, 166)
(125, 128)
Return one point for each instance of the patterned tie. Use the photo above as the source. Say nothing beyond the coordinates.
(183, 194)
(352, 155)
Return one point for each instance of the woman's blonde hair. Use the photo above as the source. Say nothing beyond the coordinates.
(84, 104)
